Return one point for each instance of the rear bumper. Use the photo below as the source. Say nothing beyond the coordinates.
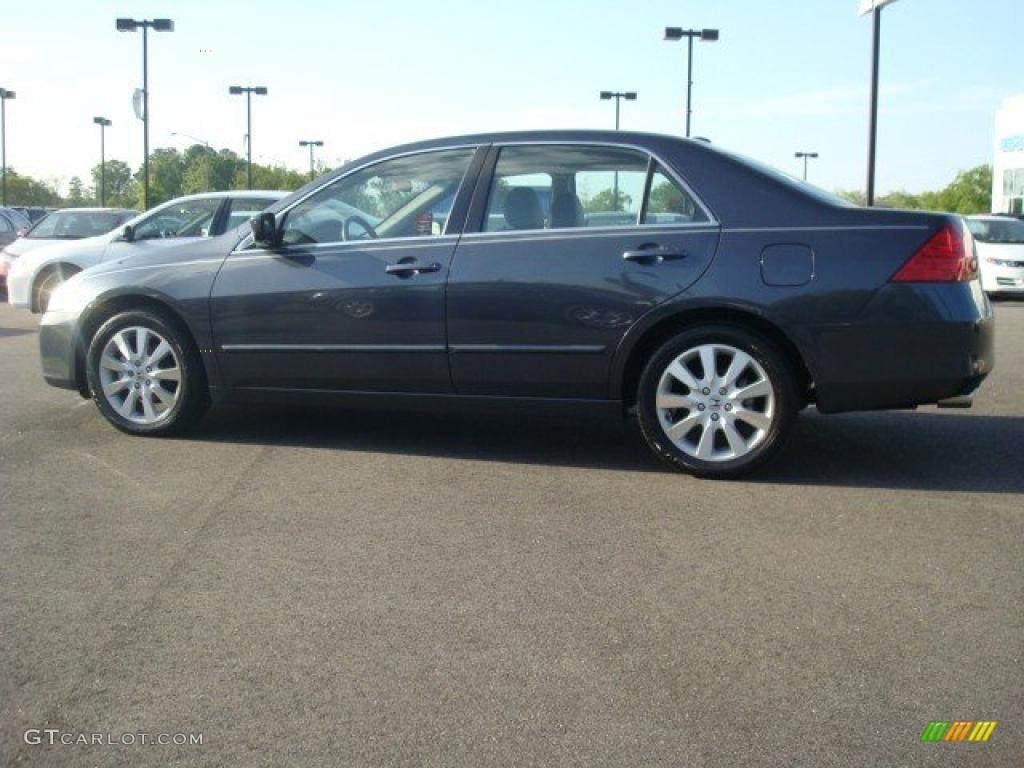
(59, 349)
(914, 344)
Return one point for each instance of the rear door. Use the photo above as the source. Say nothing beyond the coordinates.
(575, 242)
(353, 299)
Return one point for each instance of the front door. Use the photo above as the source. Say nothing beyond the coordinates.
(353, 299)
(577, 242)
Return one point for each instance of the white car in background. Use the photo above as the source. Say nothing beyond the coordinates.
(33, 277)
(1000, 244)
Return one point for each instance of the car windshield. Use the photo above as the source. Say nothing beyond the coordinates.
(997, 231)
(73, 225)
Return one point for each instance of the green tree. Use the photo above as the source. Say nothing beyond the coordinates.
(78, 195)
(605, 201)
(25, 190)
(121, 189)
(970, 192)
(166, 171)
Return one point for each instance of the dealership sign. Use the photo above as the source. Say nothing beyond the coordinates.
(867, 6)
(1013, 143)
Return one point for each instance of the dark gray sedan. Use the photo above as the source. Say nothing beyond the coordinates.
(711, 296)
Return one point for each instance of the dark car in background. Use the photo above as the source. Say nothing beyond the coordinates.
(711, 296)
(33, 212)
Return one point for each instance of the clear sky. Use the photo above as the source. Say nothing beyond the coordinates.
(786, 75)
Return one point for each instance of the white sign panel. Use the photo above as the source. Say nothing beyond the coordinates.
(867, 6)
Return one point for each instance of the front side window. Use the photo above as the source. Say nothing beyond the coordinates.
(5, 226)
(408, 196)
(566, 186)
(192, 218)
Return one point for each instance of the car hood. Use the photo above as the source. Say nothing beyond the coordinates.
(204, 250)
(61, 250)
(1013, 251)
(23, 245)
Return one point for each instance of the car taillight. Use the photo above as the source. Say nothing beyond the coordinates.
(947, 257)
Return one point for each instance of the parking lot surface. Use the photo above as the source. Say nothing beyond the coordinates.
(308, 587)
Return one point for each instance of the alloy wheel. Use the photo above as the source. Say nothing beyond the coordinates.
(715, 403)
(140, 375)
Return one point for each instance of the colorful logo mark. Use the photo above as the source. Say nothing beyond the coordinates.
(958, 730)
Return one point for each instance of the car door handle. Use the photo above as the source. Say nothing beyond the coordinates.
(653, 254)
(406, 268)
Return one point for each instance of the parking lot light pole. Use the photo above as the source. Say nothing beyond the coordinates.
(618, 96)
(4, 96)
(158, 25)
(248, 90)
(103, 123)
(678, 33)
(311, 144)
(806, 156)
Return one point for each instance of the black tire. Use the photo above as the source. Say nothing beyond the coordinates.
(47, 283)
(193, 396)
(780, 377)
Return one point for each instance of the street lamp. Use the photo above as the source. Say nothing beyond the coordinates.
(103, 123)
(618, 96)
(311, 144)
(806, 156)
(157, 25)
(678, 33)
(248, 90)
(4, 96)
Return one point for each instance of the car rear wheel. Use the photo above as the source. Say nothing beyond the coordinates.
(716, 401)
(145, 374)
(48, 283)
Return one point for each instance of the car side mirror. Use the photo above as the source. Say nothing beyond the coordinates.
(264, 229)
(128, 233)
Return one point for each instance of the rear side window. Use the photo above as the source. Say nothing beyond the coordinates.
(244, 208)
(563, 186)
(570, 186)
(669, 203)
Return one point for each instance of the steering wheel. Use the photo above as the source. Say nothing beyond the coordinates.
(346, 235)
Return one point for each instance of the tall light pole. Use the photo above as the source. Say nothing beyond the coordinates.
(874, 7)
(248, 90)
(311, 144)
(4, 96)
(678, 33)
(158, 25)
(618, 96)
(806, 156)
(103, 123)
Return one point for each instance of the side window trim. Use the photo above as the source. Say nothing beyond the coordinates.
(652, 166)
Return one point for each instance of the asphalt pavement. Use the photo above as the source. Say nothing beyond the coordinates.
(380, 588)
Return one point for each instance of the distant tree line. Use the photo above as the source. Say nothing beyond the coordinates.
(172, 173)
(970, 192)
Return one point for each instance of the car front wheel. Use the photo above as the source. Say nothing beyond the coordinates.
(716, 401)
(145, 374)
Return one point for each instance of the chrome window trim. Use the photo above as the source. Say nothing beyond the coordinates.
(564, 233)
(649, 153)
(381, 244)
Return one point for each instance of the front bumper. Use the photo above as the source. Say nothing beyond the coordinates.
(18, 286)
(1000, 279)
(914, 344)
(60, 350)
